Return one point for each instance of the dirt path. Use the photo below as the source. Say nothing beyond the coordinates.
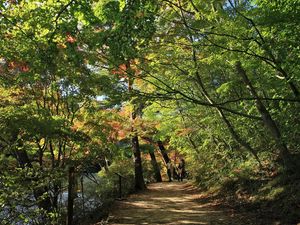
(171, 203)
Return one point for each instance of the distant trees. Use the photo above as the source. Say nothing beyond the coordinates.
(216, 80)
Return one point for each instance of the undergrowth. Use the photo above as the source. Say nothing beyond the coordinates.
(272, 193)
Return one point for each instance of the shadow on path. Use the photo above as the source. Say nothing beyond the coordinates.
(171, 203)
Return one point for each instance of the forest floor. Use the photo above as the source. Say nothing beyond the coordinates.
(178, 203)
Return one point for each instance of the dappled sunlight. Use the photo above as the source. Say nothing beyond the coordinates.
(192, 211)
(143, 204)
(167, 203)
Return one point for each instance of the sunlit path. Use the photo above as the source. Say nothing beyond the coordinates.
(98, 97)
(169, 203)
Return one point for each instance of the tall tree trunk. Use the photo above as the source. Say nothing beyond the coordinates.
(163, 151)
(138, 169)
(155, 167)
(266, 116)
(71, 195)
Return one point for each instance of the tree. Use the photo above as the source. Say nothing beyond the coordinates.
(208, 36)
(47, 81)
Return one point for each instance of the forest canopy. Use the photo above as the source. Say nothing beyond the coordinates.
(124, 86)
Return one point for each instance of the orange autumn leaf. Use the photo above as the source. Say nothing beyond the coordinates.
(70, 38)
(25, 68)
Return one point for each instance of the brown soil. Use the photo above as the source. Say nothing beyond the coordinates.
(174, 203)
